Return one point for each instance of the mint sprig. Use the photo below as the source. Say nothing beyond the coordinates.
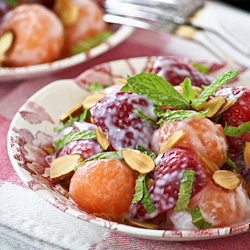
(243, 128)
(79, 118)
(144, 151)
(74, 136)
(203, 69)
(88, 44)
(144, 117)
(142, 194)
(187, 90)
(185, 190)
(178, 115)
(217, 83)
(156, 89)
(197, 218)
(99, 156)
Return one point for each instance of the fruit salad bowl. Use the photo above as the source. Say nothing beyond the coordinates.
(31, 131)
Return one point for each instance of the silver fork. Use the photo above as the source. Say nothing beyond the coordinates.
(171, 16)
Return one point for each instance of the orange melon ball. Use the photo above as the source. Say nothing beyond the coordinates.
(202, 135)
(103, 186)
(88, 24)
(222, 208)
(38, 35)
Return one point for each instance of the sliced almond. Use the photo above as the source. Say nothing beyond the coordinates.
(226, 106)
(75, 111)
(92, 120)
(210, 165)
(67, 11)
(110, 217)
(91, 100)
(122, 80)
(143, 224)
(149, 182)
(226, 179)
(246, 153)
(173, 140)
(6, 43)
(102, 138)
(138, 161)
(49, 150)
(64, 166)
(202, 106)
(214, 105)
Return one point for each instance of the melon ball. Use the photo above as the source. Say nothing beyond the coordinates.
(38, 35)
(103, 186)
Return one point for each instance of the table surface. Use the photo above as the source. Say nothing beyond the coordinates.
(29, 222)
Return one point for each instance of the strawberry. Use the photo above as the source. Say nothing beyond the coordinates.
(167, 178)
(238, 113)
(175, 70)
(86, 148)
(114, 114)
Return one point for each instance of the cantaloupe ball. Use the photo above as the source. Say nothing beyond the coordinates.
(103, 186)
(38, 35)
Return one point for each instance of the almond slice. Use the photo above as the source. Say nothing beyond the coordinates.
(143, 224)
(91, 100)
(6, 43)
(173, 140)
(210, 165)
(102, 138)
(122, 80)
(214, 105)
(75, 111)
(138, 161)
(226, 179)
(246, 153)
(49, 150)
(67, 11)
(226, 106)
(64, 166)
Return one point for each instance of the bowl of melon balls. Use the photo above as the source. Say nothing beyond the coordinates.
(43, 36)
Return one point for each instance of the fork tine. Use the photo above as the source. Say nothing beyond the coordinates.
(146, 15)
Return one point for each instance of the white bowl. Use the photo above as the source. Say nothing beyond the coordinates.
(31, 130)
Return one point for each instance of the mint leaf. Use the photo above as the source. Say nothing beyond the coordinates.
(158, 111)
(203, 69)
(146, 201)
(188, 92)
(178, 115)
(243, 128)
(185, 190)
(218, 82)
(13, 3)
(141, 194)
(157, 89)
(144, 117)
(103, 155)
(197, 218)
(95, 87)
(138, 195)
(79, 118)
(88, 44)
(144, 151)
(74, 136)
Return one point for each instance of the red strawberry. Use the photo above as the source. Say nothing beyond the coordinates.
(114, 114)
(86, 148)
(238, 113)
(176, 70)
(167, 178)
